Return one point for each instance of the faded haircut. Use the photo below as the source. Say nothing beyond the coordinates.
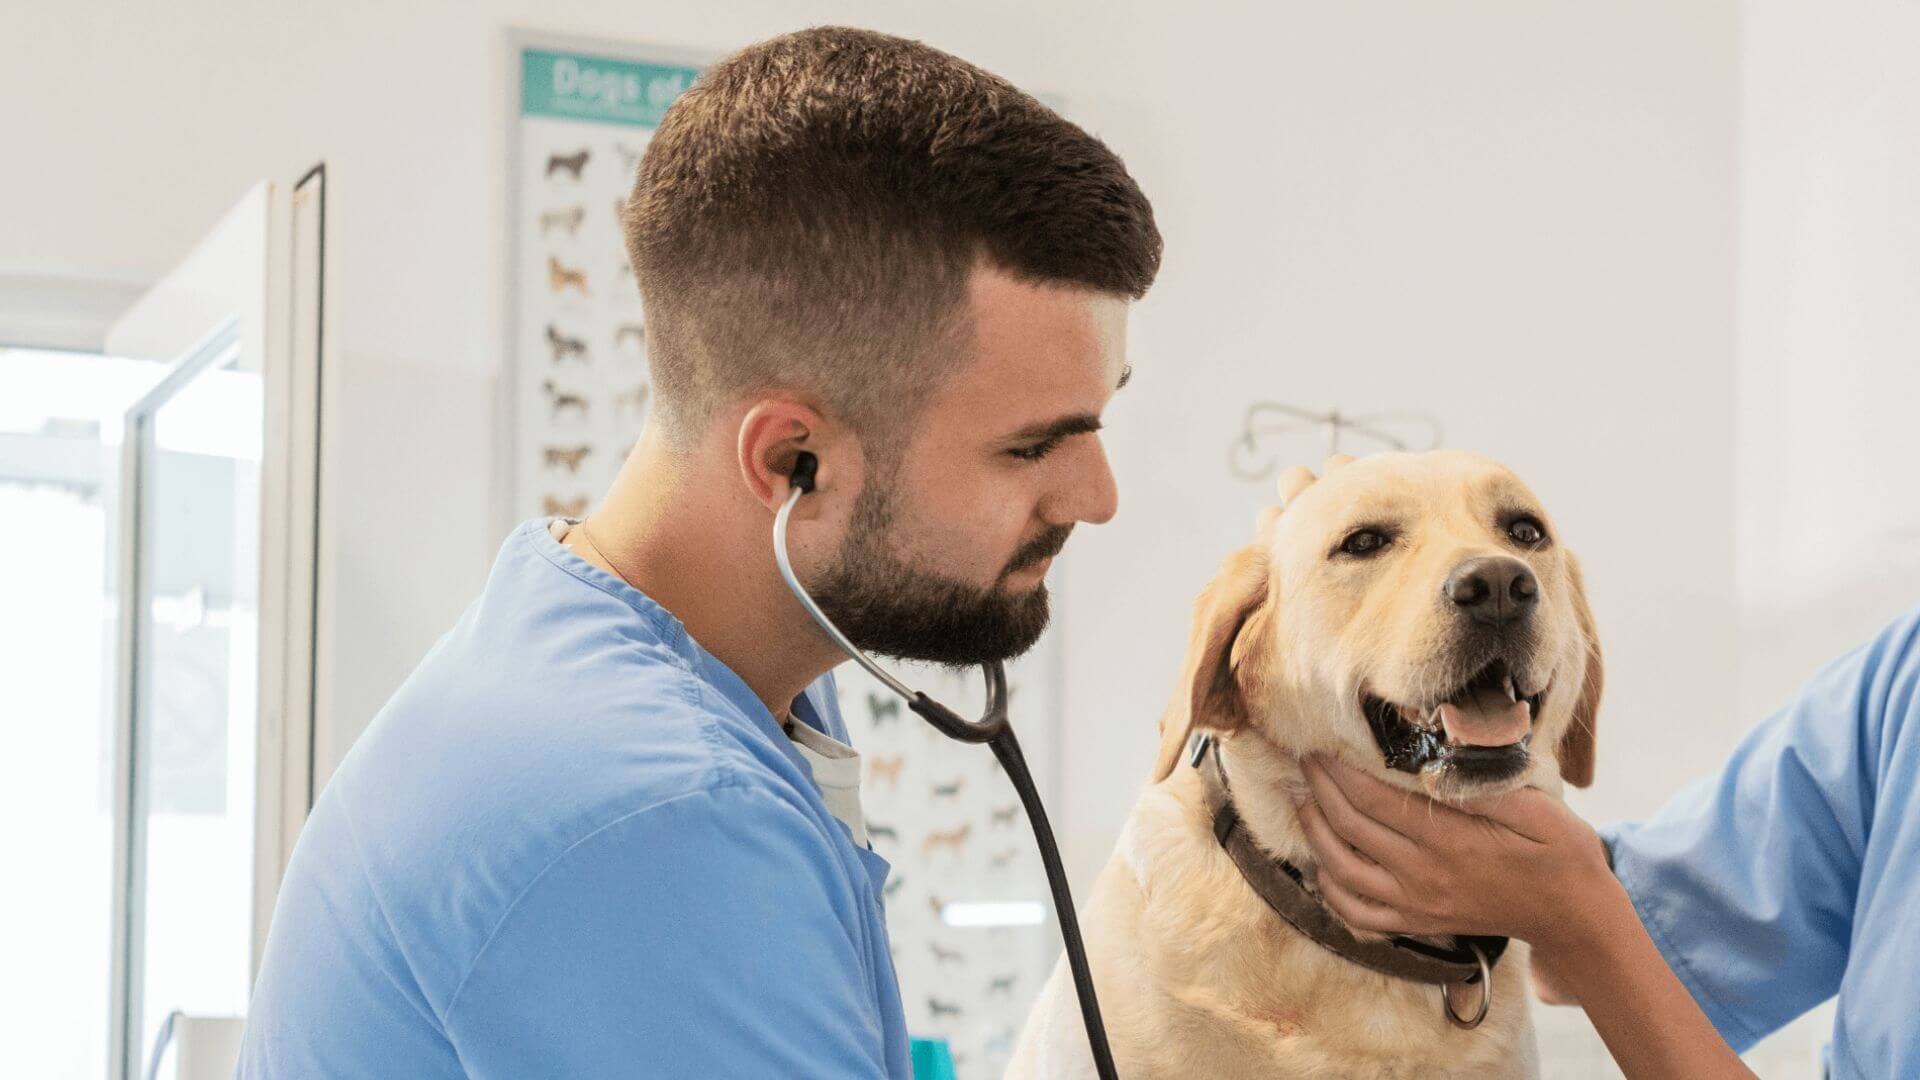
(808, 214)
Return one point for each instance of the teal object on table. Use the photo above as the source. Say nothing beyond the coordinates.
(932, 1060)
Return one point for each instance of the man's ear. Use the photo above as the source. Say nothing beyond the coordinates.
(773, 432)
(1578, 747)
(1226, 656)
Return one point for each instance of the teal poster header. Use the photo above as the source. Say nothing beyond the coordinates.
(575, 86)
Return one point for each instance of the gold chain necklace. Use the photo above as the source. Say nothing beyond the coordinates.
(588, 537)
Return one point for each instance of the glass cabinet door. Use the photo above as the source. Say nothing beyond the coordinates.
(195, 683)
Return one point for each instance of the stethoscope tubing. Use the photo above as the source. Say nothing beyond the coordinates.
(813, 609)
(994, 729)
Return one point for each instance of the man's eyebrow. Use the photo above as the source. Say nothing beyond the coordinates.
(1077, 424)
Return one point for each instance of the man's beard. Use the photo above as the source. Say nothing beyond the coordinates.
(885, 606)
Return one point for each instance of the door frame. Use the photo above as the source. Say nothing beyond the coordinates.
(258, 276)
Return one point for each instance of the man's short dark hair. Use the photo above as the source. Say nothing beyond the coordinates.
(809, 212)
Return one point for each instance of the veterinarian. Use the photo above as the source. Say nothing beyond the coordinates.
(1791, 876)
(611, 824)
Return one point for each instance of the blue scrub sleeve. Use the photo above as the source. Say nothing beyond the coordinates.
(1748, 880)
(703, 936)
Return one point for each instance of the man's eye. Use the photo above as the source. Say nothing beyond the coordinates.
(1527, 532)
(1036, 451)
(1364, 542)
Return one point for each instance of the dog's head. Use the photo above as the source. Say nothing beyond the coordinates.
(1416, 614)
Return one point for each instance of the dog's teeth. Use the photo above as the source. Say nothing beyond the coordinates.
(1513, 692)
(1429, 719)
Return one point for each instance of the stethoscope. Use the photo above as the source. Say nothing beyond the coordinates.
(993, 729)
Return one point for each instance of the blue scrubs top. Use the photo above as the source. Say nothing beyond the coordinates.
(1794, 874)
(576, 844)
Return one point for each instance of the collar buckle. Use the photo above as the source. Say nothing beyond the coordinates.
(1198, 748)
(1485, 979)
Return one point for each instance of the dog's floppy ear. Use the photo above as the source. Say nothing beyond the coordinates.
(1578, 747)
(1224, 653)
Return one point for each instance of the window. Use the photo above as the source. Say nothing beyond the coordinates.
(60, 426)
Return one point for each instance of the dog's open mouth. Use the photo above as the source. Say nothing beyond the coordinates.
(1479, 731)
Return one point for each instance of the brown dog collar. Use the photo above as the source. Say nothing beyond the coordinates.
(1284, 888)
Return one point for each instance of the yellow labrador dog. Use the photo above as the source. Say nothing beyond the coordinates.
(1416, 616)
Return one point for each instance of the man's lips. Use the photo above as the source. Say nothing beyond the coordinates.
(1039, 556)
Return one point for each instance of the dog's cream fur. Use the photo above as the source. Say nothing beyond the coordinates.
(1197, 976)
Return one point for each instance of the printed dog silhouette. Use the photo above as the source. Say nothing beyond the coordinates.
(882, 708)
(564, 346)
(568, 219)
(561, 276)
(632, 400)
(572, 163)
(953, 839)
(569, 456)
(562, 401)
(567, 508)
(887, 768)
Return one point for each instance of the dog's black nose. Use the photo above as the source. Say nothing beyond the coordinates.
(1496, 589)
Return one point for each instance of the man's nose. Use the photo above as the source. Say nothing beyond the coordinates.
(1099, 496)
(1494, 590)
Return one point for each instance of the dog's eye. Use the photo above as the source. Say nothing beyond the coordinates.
(1363, 542)
(1527, 532)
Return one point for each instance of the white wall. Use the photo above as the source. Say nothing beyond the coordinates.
(1828, 521)
(1830, 335)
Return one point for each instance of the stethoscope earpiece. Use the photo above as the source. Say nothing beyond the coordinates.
(804, 466)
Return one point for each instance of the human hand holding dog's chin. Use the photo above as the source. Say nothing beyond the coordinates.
(1519, 864)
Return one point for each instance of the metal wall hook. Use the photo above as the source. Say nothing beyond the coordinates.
(1383, 431)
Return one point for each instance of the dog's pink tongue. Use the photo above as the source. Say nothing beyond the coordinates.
(1480, 722)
